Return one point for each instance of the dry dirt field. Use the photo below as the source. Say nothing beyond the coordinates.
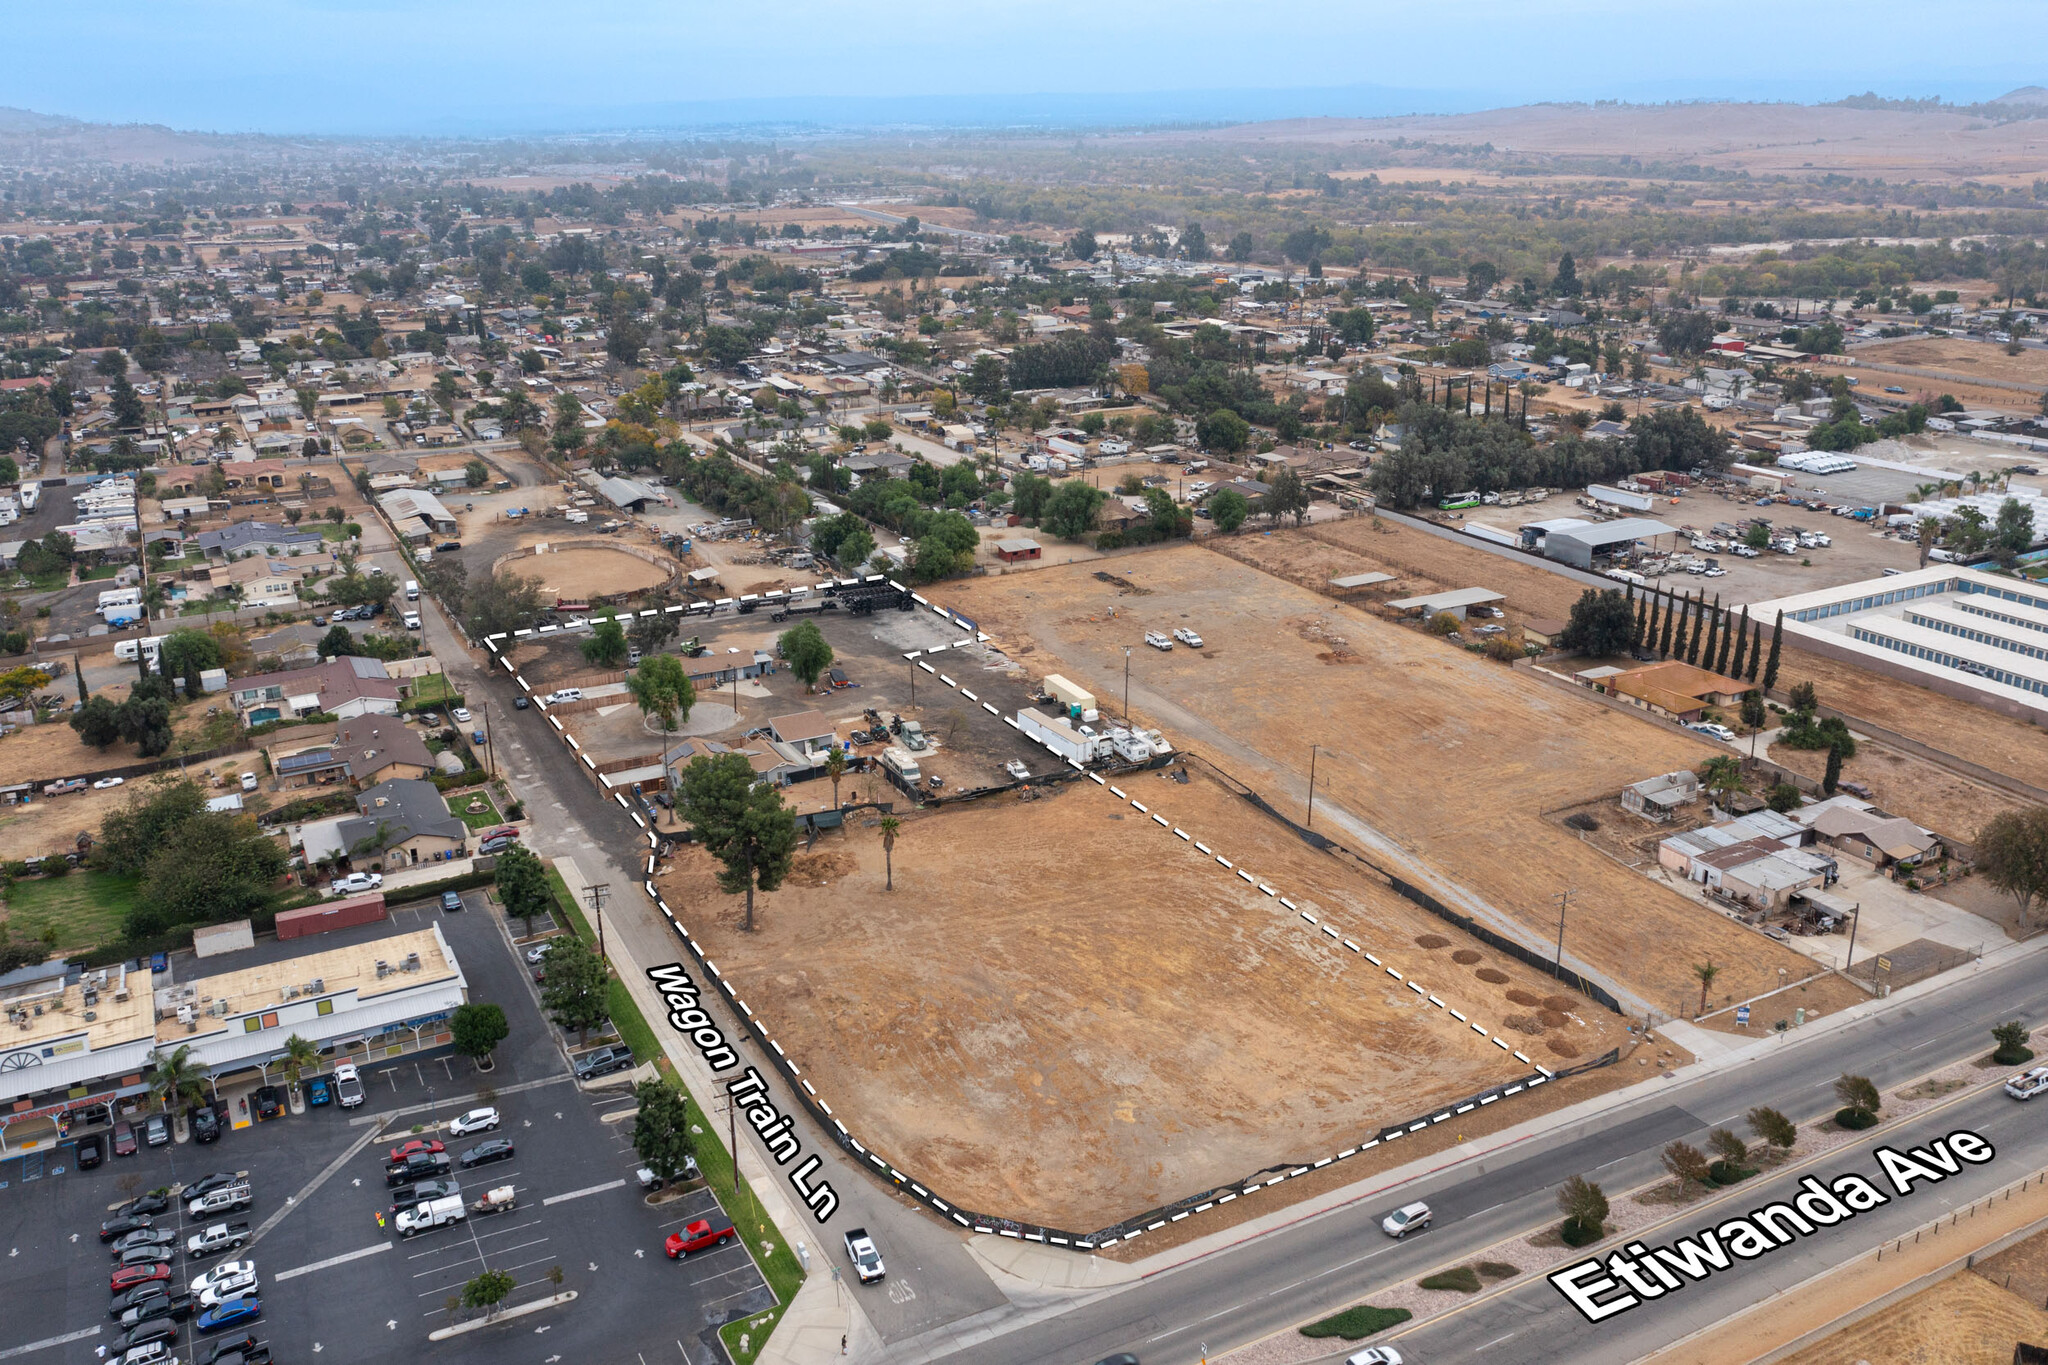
(587, 571)
(1066, 1014)
(1450, 758)
(1964, 1320)
(1311, 556)
(1929, 795)
(1961, 356)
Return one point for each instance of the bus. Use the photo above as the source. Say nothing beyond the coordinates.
(1459, 501)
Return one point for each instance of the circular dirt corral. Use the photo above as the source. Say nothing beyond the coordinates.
(1561, 1047)
(582, 570)
(1492, 975)
(1553, 1019)
(1431, 941)
(1521, 997)
(1563, 1004)
(1466, 956)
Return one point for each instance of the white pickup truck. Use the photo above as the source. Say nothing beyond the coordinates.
(867, 1260)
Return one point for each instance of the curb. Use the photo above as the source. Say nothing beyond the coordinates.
(538, 1305)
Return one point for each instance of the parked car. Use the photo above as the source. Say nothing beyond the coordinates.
(147, 1205)
(1713, 731)
(205, 1124)
(237, 1312)
(143, 1237)
(145, 1254)
(475, 1121)
(496, 1149)
(123, 1224)
(319, 1091)
(124, 1138)
(406, 1196)
(106, 782)
(1188, 638)
(451, 901)
(419, 1166)
(348, 1087)
(520, 703)
(246, 1348)
(1158, 641)
(127, 1277)
(696, 1236)
(1406, 1219)
(355, 883)
(91, 1152)
(156, 1131)
(866, 1257)
(604, 1061)
(269, 1102)
(156, 1304)
(207, 1184)
(492, 847)
(228, 1280)
(407, 1149)
(132, 1298)
(461, 714)
(539, 951)
(143, 1333)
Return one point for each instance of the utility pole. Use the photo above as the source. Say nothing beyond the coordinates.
(1127, 684)
(1563, 900)
(1312, 784)
(597, 896)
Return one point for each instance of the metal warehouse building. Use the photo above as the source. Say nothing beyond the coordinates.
(1572, 541)
(1975, 635)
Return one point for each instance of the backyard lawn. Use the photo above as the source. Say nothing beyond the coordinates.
(432, 689)
(458, 806)
(85, 909)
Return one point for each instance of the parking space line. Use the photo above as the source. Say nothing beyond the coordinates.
(48, 1342)
(331, 1261)
(578, 1194)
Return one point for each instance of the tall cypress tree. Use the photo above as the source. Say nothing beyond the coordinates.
(1670, 618)
(1741, 642)
(1756, 648)
(1635, 640)
(1656, 621)
(1697, 617)
(1713, 634)
(1771, 664)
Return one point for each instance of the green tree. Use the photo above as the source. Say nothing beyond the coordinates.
(1729, 1146)
(577, 984)
(98, 722)
(1754, 712)
(18, 683)
(1029, 494)
(835, 771)
(1706, 972)
(1228, 508)
(1687, 1162)
(477, 1030)
(1777, 641)
(212, 867)
(1832, 777)
(1600, 623)
(2011, 1038)
(488, 1290)
(741, 822)
(1773, 1127)
(890, 826)
(300, 1056)
(607, 646)
(662, 687)
(1223, 432)
(1070, 514)
(1784, 798)
(1860, 1101)
(1584, 1206)
(1721, 775)
(807, 652)
(2012, 855)
(476, 473)
(523, 887)
(337, 643)
(131, 833)
(661, 1129)
(1286, 496)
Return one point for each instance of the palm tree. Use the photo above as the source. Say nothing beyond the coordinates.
(1706, 972)
(835, 768)
(1722, 775)
(300, 1057)
(175, 1079)
(890, 824)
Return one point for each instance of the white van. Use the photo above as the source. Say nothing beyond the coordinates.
(412, 590)
(566, 694)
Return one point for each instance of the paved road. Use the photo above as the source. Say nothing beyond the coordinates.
(1340, 1258)
(933, 1280)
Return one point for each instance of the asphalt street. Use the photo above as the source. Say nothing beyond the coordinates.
(1329, 1262)
(933, 1280)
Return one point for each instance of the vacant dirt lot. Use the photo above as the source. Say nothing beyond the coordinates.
(1922, 792)
(1450, 758)
(1065, 1013)
(1946, 723)
(1960, 355)
(1964, 1320)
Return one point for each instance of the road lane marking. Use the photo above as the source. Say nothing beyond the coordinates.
(578, 1194)
(331, 1262)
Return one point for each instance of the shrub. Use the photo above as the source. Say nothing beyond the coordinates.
(1854, 1119)
(1857, 1092)
(1577, 1234)
(2012, 1044)
(1496, 1270)
(1728, 1173)
(1462, 1278)
(1356, 1323)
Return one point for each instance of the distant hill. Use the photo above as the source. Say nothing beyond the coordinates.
(2026, 94)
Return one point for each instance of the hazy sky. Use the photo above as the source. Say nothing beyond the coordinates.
(307, 66)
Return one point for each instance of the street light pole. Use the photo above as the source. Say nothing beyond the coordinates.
(1312, 784)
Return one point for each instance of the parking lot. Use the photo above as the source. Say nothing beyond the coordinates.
(334, 1277)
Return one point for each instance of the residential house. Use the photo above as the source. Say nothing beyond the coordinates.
(1675, 690)
(1882, 841)
(261, 582)
(806, 731)
(298, 643)
(402, 822)
(245, 538)
(1658, 798)
(418, 515)
(343, 687)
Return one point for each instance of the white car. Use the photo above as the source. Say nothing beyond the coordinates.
(2028, 1084)
(1717, 573)
(1188, 638)
(354, 884)
(1713, 731)
(1746, 551)
(224, 1281)
(565, 694)
(1375, 1355)
(475, 1121)
(107, 782)
(1157, 641)
(1405, 1220)
(461, 714)
(538, 952)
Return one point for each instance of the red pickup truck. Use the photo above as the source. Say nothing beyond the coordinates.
(697, 1236)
